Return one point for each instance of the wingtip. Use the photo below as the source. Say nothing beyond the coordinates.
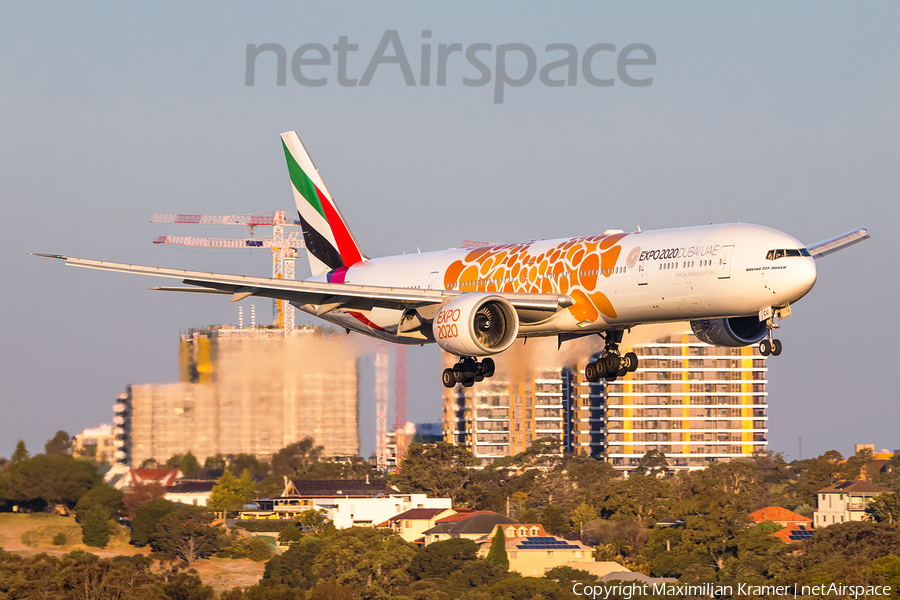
(60, 256)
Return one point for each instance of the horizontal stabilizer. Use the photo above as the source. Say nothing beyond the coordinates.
(832, 245)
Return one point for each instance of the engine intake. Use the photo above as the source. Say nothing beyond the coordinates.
(733, 332)
(476, 325)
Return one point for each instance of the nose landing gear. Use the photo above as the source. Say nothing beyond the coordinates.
(770, 345)
(611, 364)
(467, 371)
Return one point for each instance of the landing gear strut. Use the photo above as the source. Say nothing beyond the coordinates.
(611, 364)
(467, 371)
(769, 345)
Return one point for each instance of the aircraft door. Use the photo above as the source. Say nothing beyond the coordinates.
(724, 263)
(432, 279)
(642, 273)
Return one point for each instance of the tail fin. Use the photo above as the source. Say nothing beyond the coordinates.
(329, 243)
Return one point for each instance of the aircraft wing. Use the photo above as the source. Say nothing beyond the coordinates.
(323, 296)
(832, 245)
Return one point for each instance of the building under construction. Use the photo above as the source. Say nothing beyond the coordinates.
(250, 391)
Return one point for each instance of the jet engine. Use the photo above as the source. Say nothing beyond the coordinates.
(736, 331)
(476, 325)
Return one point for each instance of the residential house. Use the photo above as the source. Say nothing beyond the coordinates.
(347, 503)
(473, 527)
(412, 524)
(846, 501)
(535, 551)
(795, 533)
(197, 493)
(125, 478)
(781, 516)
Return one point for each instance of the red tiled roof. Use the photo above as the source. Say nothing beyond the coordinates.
(779, 515)
(418, 514)
(785, 534)
(164, 476)
(462, 515)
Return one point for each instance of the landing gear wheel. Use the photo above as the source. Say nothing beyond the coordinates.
(622, 372)
(448, 378)
(479, 378)
(469, 368)
(776, 347)
(601, 368)
(765, 347)
(488, 367)
(590, 372)
(468, 383)
(458, 373)
(631, 362)
(612, 362)
(610, 378)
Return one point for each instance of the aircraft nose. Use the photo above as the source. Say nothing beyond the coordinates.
(804, 273)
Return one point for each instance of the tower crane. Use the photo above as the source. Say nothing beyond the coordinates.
(284, 247)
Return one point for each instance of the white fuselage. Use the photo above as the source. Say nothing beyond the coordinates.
(617, 280)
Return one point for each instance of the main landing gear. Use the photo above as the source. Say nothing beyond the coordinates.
(769, 345)
(467, 371)
(611, 364)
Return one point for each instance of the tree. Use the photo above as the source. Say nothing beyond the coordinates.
(887, 507)
(187, 533)
(653, 463)
(295, 568)
(189, 464)
(61, 443)
(141, 495)
(638, 497)
(51, 479)
(583, 515)
(213, 463)
(440, 559)
(95, 527)
(554, 521)
(497, 553)
(315, 521)
(146, 519)
(290, 534)
(821, 472)
(295, 459)
(887, 569)
(359, 558)
(237, 464)
(187, 586)
(21, 454)
(231, 493)
(439, 470)
(102, 496)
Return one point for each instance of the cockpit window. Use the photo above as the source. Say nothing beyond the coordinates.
(785, 252)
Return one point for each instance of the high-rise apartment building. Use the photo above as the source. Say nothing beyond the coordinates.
(693, 402)
(689, 400)
(247, 391)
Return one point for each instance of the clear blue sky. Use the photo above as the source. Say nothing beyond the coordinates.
(766, 112)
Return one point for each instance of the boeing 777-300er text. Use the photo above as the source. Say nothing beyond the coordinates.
(732, 282)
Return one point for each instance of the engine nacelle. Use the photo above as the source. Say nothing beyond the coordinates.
(734, 332)
(476, 325)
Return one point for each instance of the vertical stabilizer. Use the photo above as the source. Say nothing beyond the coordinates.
(329, 243)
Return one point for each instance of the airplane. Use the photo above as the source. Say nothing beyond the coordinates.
(733, 282)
